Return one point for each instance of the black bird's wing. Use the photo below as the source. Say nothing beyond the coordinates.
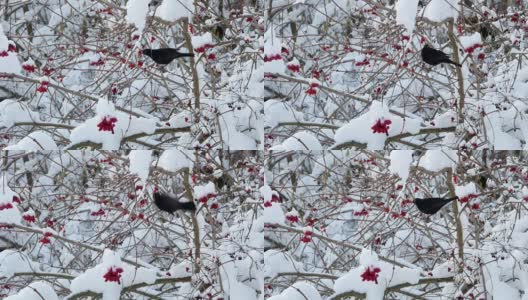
(154, 54)
(431, 206)
(170, 204)
(440, 55)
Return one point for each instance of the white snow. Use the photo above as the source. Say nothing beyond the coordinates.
(180, 120)
(12, 262)
(444, 270)
(37, 290)
(436, 160)
(239, 291)
(276, 112)
(266, 192)
(140, 163)
(9, 63)
(406, 14)
(440, 10)
(126, 125)
(232, 138)
(9, 212)
(182, 269)
(400, 163)
(468, 41)
(520, 87)
(273, 62)
(231, 272)
(497, 122)
(173, 10)
(202, 40)
(360, 129)
(272, 43)
(204, 190)
(174, 159)
(300, 290)
(447, 119)
(302, 140)
(12, 111)
(59, 13)
(137, 11)
(93, 279)
(275, 67)
(276, 261)
(464, 190)
(35, 141)
(388, 276)
(274, 214)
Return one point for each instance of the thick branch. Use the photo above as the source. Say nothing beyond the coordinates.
(454, 205)
(461, 99)
(196, 80)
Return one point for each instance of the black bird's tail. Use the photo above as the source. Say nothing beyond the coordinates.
(186, 55)
(454, 63)
(187, 205)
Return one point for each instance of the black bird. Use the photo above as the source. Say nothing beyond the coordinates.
(435, 57)
(170, 204)
(164, 56)
(431, 205)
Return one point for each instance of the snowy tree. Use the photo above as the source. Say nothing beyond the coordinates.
(73, 75)
(251, 150)
(345, 223)
(80, 223)
(349, 74)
